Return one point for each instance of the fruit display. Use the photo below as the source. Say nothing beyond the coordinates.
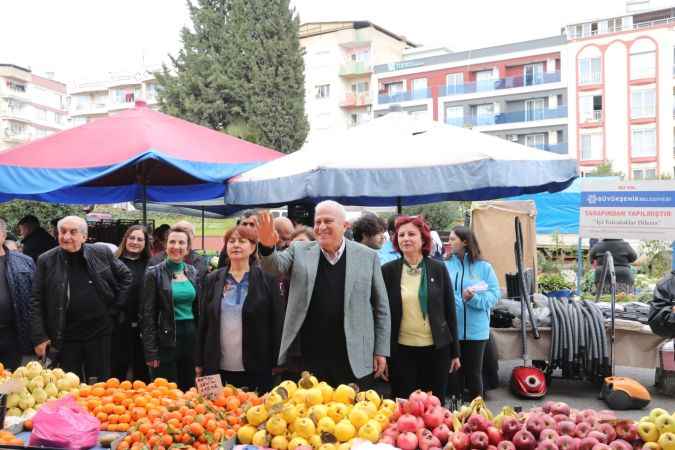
(190, 422)
(657, 430)
(7, 438)
(39, 385)
(314, 414)
(4, 373)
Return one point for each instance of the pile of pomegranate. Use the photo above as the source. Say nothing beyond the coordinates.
(420, 422)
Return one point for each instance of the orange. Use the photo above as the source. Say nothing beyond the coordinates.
(167, 440)
(98, 391)
(113, 418)
(233, 403)
(136, 436)
(138, 384)
(124, 427)
(119, 409)
(161, 382)
(126, 385)
(112, 383)
(123, 446)
(108, 408)
(103, 417)
(196, 429)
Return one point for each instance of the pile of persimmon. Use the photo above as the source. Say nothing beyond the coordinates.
(119, 405)
(192, 422)
(7, 438)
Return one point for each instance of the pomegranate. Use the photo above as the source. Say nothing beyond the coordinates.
(390, 440)
(406, 423)
(448, 418)
(419, 396)
(479, 440)
(427, 440)
(460, 440)
(414, 407)
(406, 441)
(391, 431)
(442, 432)
(431, 401)
(524, 440)
(433, 417)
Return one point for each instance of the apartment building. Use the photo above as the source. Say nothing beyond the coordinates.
(119, 91)
(339, 60)
(516, 91)
(622, 91)
(31, 106)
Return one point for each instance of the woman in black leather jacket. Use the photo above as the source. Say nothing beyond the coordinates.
(168, 312)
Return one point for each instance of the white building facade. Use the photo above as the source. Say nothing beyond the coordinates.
(621, 72)
(339, 61)
(31, 106)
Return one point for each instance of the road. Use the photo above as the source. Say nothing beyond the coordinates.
(577, 394)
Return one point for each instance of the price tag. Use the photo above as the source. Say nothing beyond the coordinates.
(209, 386)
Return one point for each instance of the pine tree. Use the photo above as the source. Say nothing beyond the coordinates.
(241, 71)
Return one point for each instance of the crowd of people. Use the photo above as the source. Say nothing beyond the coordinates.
(386, 305)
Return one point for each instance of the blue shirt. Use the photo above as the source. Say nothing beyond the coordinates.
(387, 253)
(231, 327)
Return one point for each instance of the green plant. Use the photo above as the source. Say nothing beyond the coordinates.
(658, 257)
(550, 282)
(546, 265)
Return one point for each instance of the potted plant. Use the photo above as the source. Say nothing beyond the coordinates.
(555, 285)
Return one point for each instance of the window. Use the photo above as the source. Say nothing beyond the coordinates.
(643, 102)
(642, 65)
(16, 86)
(485, 80)
(454, 115)
(644, 174)
(362, 55)
(591, 146)
(419, 88)
(484, 114)
(590, 108)
(589, 70)
(534, 109)
(322, 91)
(533, 74)
(394, 88)
(643, 142)
(535, 140)
(454, 83)
(360, 87)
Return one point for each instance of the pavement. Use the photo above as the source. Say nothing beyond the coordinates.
(578, 394)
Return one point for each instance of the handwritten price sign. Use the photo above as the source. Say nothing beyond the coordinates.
(209, 386)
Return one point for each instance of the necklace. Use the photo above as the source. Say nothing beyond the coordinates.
(413, 270)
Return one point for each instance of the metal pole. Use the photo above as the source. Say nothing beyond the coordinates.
(399, 206)
(145, 204)
(580, 266)
(203, 245)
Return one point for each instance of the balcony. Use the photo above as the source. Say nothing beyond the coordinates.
(355, 69)
(594, 117)
(498, 84)
(510, 117)
(560, 149)
(419, 94)
(353, 100)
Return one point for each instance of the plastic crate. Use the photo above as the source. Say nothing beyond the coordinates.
(667, 356)
(664, 377)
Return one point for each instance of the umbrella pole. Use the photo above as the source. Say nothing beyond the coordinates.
(145, 205)
(203, 246)
(399, 207)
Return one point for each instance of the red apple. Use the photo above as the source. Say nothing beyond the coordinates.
(566, 442)
(448, 418)
(566, 427)
(601, 446)
(494, 435)
(560, 418)
(478, 422)
(549, 421)
(460, 440)
(506, 445)
(620, 444)
(582, 429)
(546, 407)
(626, 430)
(442, 432)
(510, 426)
(492, 447)
(547, 444)
(560, 408)
(535, 425)
(608, 430)
(549, 433)
(599, 435)
(479, 440)
(524, 440)
(588, 443)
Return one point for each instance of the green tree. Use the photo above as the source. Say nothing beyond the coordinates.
(241, 71)
(13, 211)
(439, 216)
(604, 170)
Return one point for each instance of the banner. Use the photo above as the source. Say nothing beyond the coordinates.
(615, 209)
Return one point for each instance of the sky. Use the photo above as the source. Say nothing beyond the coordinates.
(84, 40)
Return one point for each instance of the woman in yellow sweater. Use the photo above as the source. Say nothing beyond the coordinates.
(424, 344)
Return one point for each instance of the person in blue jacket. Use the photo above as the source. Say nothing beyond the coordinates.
(476, 292)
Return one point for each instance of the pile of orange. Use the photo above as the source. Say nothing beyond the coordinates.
(7, 438)
(192, 422)
(4, 372)
(119, 405)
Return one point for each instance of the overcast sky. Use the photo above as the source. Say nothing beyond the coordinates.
(85, 39)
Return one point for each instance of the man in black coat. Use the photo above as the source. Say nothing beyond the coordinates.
(79, 291)
(35, 240)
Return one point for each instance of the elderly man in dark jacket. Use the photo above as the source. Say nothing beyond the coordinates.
(78, 292)
(16, 278)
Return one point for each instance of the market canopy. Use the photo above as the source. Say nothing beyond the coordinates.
(135, 155)
(397, 160)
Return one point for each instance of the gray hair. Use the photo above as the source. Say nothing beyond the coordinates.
(189, 226)
(333, 205)
(81, 223)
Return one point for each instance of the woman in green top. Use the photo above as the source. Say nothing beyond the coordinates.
(169, 313)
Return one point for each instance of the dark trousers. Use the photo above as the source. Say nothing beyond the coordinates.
(177, 363)
(87, 359)
(424, 368)
(470, 377)
(10, 348)
(260, 382)
(127, 353)
(336, 372)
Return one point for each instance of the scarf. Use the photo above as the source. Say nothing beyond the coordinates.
(423, 293)
(175, 267)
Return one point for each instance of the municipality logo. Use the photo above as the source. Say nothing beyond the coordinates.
(592, 199)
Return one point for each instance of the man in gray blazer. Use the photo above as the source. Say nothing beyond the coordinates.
(337, 302)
